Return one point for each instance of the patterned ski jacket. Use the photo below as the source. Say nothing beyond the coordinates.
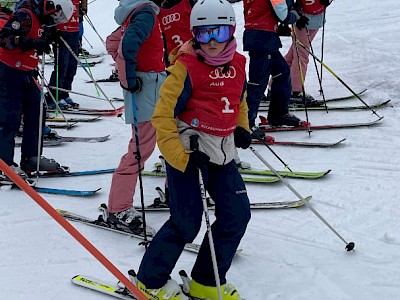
(194, 100)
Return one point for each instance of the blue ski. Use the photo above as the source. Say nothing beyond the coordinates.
(79, 193)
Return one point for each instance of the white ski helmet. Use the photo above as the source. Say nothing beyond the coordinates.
(212, 12)
(60, 10)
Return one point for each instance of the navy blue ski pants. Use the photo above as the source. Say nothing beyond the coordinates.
(67, 64)
(19, 95)
(232, 210)
(262, 65)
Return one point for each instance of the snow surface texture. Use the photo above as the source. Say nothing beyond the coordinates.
(287, 254)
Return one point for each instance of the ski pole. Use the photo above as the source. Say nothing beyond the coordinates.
(321, 90)
(323, 40)
(340, 80)
(88, 66)
(269, 148)
(294, 36)
(194, 145)
(349, 246)
(87, 41)
(41, 112)
(94, 29)
(55, 102)
(73, 92)
(90, 75)
(139, 159)
(70, 229)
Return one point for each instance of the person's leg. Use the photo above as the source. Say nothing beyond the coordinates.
(125, 176)
(304, 58)
(181, 228)
(280, 89)
(11, 82)
(31, 111)
(232, 211)
(259, 71)
(72, 39)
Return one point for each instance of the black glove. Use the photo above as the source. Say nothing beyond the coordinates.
(302, 22)
(54, 36)
(198, 159)
(284, 30)
(41, 45)
(137, 88)
(242, 138)
(325, 2)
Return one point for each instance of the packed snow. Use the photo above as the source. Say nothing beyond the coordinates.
(287, 254)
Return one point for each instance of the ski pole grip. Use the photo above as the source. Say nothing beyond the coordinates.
(194, 142)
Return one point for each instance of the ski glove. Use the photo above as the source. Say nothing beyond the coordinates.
(325, 2)
(40, 45)
(137, 88)
(242, 138)
(198, 159)
(302, 22)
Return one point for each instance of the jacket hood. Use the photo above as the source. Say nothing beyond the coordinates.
(125, 8)
(186, 48)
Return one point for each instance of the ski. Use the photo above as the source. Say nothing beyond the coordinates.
(299, 175)
(62, 126)
(321, 107)
(49, 143)
(268, 128)
(68, 139)
(80, 173)
(300, 144)
(85, 63)
(44, 190)
(102, 287)
(93, 111)
(255, 205)
(103, 80)
(72, 120)
(246, 179)
(100, 223)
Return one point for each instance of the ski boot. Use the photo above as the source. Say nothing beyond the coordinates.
(199, 291)
(170, 291)
(5, 180)
(129, 220)
(297, 100)
(114, 76)
(288, 120)
(46, 165)
(257, 133)
(71, 102)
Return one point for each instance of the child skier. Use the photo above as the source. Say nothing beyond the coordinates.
(21, 41)
(203, 96)
(141, 70)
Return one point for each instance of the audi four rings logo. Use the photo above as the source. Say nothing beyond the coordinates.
(218, 74)
(171, 18)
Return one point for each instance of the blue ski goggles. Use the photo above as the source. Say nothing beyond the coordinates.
(220, 33)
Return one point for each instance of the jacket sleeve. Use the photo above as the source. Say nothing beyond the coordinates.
(19, 25)
(283, 13)
(243, 119)
(176, 88)
(139, 29)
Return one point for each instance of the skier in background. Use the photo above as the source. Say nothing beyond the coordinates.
(202, 96)
(174, 18)
(141, 70)
(21, 41)
(262, 41)
(313, 18)
(65, 63)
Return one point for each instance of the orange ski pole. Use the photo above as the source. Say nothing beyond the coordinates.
(71, 229)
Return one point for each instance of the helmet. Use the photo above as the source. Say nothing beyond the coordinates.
(60, 10)
(212, 12)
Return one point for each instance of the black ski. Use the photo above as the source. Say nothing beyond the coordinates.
(95, 139)
(268, 128)
(319, 106)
